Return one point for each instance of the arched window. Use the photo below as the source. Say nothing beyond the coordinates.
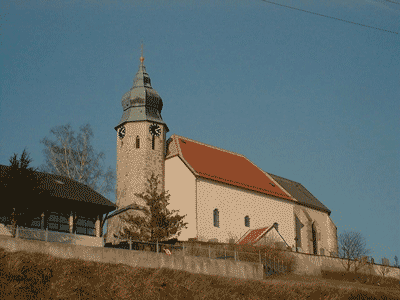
(314, 238)
(298, 226)
(247, 221)
(137, 142)
(216, 218)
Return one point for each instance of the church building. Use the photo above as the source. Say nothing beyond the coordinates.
(225, 197)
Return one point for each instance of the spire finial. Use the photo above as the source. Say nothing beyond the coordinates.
(141, 53)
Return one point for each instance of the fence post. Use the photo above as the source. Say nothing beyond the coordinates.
(157, 245)
(274, 264)
(47, 234)
(209, 252)
(235, 253)
(130, 243)
(17, 232)
(259, 254)
(280, 267)
(183, 250)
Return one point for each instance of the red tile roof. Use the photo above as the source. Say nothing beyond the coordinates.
(224, 166)
(253, 235)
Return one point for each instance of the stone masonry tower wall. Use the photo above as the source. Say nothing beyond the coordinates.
(135, 165)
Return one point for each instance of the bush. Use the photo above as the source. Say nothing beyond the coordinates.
(25, 273)
(368, 279)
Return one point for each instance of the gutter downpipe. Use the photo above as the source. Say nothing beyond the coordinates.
(197, 228)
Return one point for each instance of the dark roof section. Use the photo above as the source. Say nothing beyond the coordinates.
(299, 192)
(63, 187)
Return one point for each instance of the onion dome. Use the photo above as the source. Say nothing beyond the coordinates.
(142, 102)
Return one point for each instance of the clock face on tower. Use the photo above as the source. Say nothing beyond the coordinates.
(155, 130)
(121, 132)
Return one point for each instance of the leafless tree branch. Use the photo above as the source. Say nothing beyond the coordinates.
(74, 157)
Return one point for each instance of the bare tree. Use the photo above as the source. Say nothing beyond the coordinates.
(352, 248)
(21, 188)
(158, 223)
(397, 262)
(75, 158)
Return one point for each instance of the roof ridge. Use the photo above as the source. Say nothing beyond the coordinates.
(208, 145)
(282, 177)
(252, 186)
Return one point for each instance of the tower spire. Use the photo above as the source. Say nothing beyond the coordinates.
(142, 78)
(142, 102)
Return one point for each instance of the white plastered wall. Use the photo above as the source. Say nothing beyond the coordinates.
(180, 183)
(234, 204)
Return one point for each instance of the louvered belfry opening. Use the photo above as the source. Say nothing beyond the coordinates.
(137, 142)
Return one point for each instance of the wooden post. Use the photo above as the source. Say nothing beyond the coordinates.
(209, 252)
(17, 232)
(71, 222)
(259, 254)
(42, 225)
(130, 243)
(47, 234)
(97, 225)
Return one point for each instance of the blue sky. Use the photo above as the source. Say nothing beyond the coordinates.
(309, 98)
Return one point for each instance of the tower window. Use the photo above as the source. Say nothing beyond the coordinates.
(137, 142)
(216, 218)
(247, 221)
(152, 142)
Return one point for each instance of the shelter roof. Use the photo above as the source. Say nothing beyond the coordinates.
(253, 235)
(66, 188)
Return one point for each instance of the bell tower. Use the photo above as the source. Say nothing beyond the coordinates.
(141, 135)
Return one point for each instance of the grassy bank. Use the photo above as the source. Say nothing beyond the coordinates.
(39, 276)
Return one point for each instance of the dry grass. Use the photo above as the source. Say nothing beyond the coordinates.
(39, 276)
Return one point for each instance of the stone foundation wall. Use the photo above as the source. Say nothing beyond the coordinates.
(202, 265)
(313, 265)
